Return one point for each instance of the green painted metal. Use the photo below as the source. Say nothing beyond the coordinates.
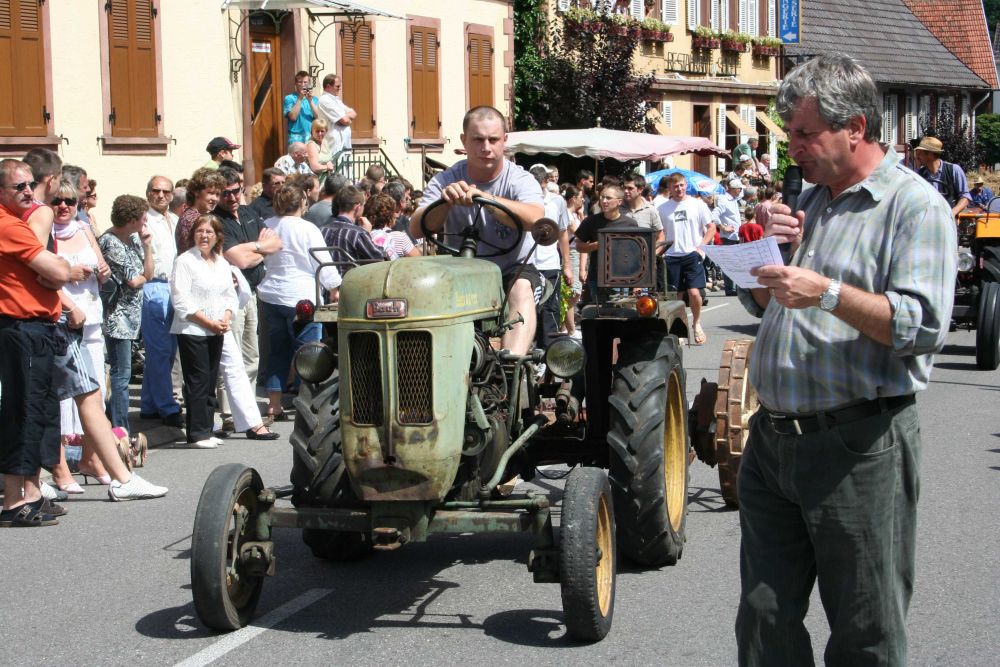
(391, 460)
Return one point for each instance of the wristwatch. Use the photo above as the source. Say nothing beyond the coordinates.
(256, 247)
(830, 298)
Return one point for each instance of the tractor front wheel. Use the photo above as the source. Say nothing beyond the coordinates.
(988, 328)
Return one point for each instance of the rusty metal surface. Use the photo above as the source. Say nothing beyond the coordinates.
(702, 422)
(469, 521)
(321, 518)
(735, 403)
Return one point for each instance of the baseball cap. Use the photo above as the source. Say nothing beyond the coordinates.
(220, 144)
(746, 158)
(735, 183)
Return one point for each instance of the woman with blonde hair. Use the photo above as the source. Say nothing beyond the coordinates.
(320, 158)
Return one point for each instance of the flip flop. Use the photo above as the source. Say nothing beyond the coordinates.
(699, 336)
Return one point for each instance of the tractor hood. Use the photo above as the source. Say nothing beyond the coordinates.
(433, 287)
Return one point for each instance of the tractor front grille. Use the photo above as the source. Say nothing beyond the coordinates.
(413, 377)
(366, 379)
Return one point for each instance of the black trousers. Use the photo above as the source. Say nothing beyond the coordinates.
(548, 318)
(200, 357)
(726, 280)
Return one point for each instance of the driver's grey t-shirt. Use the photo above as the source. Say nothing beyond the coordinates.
(513, 182)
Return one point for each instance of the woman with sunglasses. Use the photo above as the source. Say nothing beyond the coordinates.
(84, 314)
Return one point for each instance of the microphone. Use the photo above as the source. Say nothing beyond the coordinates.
(790, 193)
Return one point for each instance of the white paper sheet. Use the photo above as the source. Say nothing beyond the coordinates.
(737, 260)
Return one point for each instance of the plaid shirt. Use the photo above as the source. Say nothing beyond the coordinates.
(891, 234)
(350, 243)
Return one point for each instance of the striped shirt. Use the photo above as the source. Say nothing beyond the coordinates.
(890, 234)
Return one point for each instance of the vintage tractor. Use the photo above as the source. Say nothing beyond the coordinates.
(977, 286)
(409, 416)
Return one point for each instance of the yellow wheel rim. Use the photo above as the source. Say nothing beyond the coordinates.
(604, 571)
(674, 452)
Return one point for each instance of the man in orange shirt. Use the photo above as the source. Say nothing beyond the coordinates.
(29, 310)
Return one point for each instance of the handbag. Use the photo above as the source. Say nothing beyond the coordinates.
(110, 291)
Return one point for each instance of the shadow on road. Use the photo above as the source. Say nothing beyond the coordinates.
(744, 329)
(705, 499)
(958, 350)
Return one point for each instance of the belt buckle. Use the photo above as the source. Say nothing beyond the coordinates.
(786, 418)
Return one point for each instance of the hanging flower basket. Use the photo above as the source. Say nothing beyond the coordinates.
(739, 47)
(704, 42)
(762, 50)
(657, 36)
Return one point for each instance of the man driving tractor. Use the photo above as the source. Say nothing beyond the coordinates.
(487, 173)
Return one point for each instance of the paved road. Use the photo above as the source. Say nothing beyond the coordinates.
(110, 585)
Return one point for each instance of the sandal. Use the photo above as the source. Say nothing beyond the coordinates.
(262, 434)
(699, 336)
(278, 416)
(28, 515)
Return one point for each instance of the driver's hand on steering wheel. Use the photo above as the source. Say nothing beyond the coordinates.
(461, 193)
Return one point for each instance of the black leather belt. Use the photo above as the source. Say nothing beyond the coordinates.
(793, 424)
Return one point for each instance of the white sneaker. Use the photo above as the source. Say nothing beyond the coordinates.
(217, 441)
(135, 489)
(50, 492)
(207, 443)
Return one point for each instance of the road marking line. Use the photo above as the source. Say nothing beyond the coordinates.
(721, 305)
(242, 636)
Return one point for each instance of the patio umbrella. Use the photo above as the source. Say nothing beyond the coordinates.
(600, 143)
(698, 183)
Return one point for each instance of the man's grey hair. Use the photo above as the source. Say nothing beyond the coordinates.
(73, 173)
(396, 190)
(540, 173)
(842, 87)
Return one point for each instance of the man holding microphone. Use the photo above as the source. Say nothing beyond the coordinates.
(829, 481)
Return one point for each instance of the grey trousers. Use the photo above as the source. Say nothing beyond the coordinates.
(837, 507)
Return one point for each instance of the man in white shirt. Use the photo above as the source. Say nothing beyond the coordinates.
(337, 114)
(730, 219)
(296, 161)
(157, 397)
(553, 260)
(691, 221)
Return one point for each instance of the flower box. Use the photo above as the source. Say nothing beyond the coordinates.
(740, 47)
(762, 50)
(704, 42)
(657, 36)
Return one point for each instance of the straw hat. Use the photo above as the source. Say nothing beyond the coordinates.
(931, 145)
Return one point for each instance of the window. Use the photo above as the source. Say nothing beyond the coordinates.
(669, 12)
(890, 119)
(667, 112)
(425, 107)
(133, 105)
(357, 72)
(479, 66)
(24, 91)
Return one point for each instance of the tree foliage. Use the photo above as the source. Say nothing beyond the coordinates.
(988, 137)
(570, 74)
(992, 13)
(960, 146)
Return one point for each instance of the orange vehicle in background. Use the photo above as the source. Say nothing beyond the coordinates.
(977, 286)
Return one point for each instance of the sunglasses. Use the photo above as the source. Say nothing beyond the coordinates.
(24, 184)
(69, 201)
(232, 193)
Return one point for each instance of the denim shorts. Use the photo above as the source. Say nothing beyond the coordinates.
(73, 370)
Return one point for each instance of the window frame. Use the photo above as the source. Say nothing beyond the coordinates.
(414, 144)
(18, 145)
(131, 145)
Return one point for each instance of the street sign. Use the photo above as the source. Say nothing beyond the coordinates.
(788, 21)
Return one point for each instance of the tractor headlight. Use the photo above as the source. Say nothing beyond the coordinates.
(966, 260)
(565, 357)
(315, 362)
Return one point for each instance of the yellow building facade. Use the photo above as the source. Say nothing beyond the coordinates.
(715, 65)
(132, 88)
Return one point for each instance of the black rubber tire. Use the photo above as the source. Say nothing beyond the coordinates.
(586, 568)
(648, 443)
(319, 476)
(225, 598)
(991, 263)
(988, 328)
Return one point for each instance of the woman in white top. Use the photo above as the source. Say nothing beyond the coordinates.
(204, 299)
(290, 278)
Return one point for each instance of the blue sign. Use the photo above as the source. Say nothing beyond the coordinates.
(788, 21)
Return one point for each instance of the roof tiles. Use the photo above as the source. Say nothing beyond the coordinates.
(887, 38)
(961, 27)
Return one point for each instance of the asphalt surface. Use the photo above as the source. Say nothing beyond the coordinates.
(111, 585)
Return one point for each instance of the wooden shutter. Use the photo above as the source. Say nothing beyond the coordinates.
(357, 73)
(22, 77)
(480, 66)
(132, 68)
(669, 12)
(715, 19)
(637, 9)
(694, 20)
(425, 115)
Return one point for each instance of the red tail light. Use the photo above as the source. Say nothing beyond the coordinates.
(304, 310)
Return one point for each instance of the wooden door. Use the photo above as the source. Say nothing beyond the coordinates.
(702, 128)
(266, 120)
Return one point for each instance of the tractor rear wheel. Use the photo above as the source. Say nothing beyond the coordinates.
(988, 328)
(319, 476)
(587, 557)
(735, 403)
(648, 445)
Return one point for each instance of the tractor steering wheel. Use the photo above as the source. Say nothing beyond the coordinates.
(472, 233)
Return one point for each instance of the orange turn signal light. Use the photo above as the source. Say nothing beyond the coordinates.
(646, 305)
